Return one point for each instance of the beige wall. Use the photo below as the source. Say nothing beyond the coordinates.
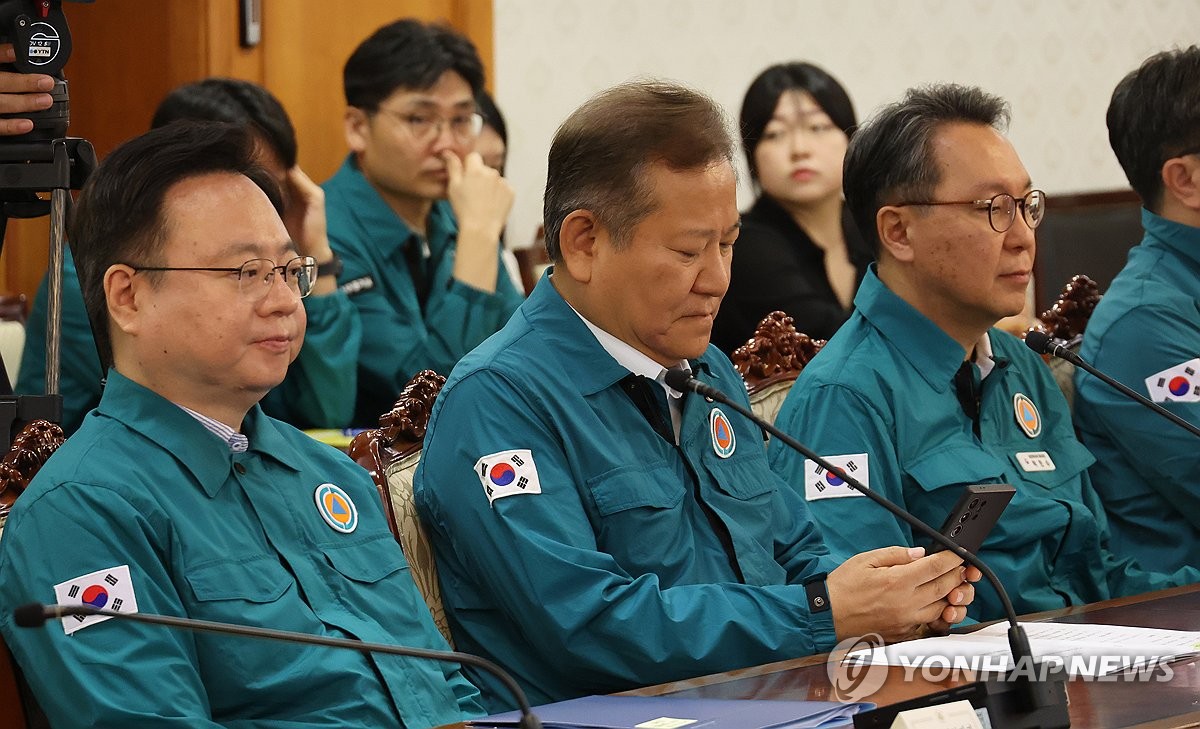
(1055, 60)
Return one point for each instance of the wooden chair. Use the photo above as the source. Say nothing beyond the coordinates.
(532, 260)
(391, 453)
(1066, 320)
(771, 361)
(36, 442)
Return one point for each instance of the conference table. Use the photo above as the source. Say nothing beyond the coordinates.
(1094, 704)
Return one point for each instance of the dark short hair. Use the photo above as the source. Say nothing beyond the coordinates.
(408, 54)
(1154, 115)
(236, 101)
(763, 96)
(119, 216)
(600, 154)
(891, 157)
(491, 114)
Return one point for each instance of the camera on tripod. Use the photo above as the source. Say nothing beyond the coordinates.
(43, 160)
(42, 41)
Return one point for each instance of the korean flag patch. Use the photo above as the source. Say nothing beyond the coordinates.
(108, 589)
(508, 473)
(820, 483)
(1180, 383)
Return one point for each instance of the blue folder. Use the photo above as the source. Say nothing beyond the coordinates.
(656, 712)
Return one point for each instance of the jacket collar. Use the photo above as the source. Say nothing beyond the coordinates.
(928, 349)
(169, 426)
(588, 365)
(1183, 240)
(388, 232)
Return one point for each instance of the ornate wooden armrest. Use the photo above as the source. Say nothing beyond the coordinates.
(1069, 316)
(32, 447)
(775, 353)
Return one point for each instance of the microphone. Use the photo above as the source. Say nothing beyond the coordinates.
(1041, 343)
(35, 614)
(1046, 699)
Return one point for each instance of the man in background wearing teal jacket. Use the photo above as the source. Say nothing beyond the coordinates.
(595, 530)
(180, 496)
(319, 389)
(919, 395)
(414, 213)
(1146, 330)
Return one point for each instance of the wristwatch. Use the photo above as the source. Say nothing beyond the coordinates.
(332, 267)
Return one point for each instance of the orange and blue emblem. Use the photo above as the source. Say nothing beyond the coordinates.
(95, 595)
(723, 439)
(1027, 415)
(336, 508)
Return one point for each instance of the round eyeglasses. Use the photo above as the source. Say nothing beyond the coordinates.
(1002, 209)
(425, 127)
(254, 277)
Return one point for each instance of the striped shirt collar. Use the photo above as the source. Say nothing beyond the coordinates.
(237, 442)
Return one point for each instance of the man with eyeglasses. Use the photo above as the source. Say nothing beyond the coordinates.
(1146, 329)
(319, 389)
(179, 496)
(919, 395)
(414, 213)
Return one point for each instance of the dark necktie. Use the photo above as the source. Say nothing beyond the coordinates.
(651, 401)
(967, 390)
(415, 258)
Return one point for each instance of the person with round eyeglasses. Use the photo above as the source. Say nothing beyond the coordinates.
(922, 390)
(319, 389)
(414, 212)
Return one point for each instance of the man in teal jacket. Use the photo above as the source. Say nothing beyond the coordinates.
(594, 529)
(414, 213)
(319, 389)
(179, 496)
(921, 395)
(1146, 330)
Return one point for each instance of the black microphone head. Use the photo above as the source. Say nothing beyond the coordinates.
(32, 615)
(1038, 342)
(678, 380)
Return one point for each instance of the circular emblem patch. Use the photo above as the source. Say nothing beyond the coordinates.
(336, 508)
(1027, 415)
(1179, 386)
(44, 44)
(722, 433)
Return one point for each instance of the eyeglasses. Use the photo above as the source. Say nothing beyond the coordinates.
(254, 277)
(1002, 209)
(426, 127)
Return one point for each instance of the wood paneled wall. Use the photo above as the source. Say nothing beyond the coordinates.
(130, 53)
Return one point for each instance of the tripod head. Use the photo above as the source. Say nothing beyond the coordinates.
(42, 41)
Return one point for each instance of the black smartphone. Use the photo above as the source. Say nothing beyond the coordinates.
(976, 513)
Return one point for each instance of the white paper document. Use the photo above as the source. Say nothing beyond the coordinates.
(1083, 650)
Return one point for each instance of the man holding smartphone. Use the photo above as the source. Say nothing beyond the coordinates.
(919, 396)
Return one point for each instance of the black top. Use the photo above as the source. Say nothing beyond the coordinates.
(776, 266)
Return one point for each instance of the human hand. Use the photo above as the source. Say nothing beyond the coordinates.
(20, 93)
(898, 592)
(481, 200)
(304, 218)
(304, 215)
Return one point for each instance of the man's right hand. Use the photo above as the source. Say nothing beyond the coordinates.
(481, 200)
(20, 93)
(896, 592)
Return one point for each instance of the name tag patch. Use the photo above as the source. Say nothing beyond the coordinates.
(820, 483)
(1036, 461)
